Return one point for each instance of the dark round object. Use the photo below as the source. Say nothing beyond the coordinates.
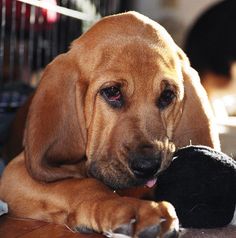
(201, 184)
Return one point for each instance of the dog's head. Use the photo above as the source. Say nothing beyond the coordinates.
(102, 108)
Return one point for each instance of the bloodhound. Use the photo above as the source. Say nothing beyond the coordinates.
(100, 122)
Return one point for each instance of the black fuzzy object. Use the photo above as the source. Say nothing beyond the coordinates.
(201, 184)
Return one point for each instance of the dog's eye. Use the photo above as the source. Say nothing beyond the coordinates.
(165, 98)
(113, 96)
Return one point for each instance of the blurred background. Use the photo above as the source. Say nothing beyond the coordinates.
(33, 32)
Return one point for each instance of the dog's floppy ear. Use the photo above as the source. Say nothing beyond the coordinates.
(55, 133)
(196, 124)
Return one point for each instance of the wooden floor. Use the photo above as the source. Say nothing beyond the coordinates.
(19, 228)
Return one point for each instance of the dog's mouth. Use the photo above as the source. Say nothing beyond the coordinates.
(121, 179)
(117, 175)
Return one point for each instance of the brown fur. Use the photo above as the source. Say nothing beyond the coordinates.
(74, 136)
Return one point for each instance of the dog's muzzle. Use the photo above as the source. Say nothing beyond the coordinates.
(149, 161)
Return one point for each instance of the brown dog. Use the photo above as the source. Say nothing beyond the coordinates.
(95, 124)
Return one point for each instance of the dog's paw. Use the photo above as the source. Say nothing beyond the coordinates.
(129, 218)
(157, 220)
(152, 220)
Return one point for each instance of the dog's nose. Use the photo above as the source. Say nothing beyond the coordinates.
(145, 167)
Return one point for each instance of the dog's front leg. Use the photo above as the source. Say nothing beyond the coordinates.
(93, 206)
(84, 205)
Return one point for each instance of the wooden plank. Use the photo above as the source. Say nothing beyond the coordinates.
(21, 228)
(51, 231)
(11, 227)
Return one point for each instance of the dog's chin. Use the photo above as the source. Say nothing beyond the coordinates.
(116, 181)
(119, 183)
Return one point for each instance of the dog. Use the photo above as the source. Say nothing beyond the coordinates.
(104, 119)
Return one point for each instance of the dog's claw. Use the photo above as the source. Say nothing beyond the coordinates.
(126, 229)
(123, 231)
(150, 232)
(155, 231)
(109, 234)
(83, 229)
(171, 234)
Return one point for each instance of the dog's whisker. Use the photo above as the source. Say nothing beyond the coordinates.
(167, 148)
(69, 228)
(159, 145)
